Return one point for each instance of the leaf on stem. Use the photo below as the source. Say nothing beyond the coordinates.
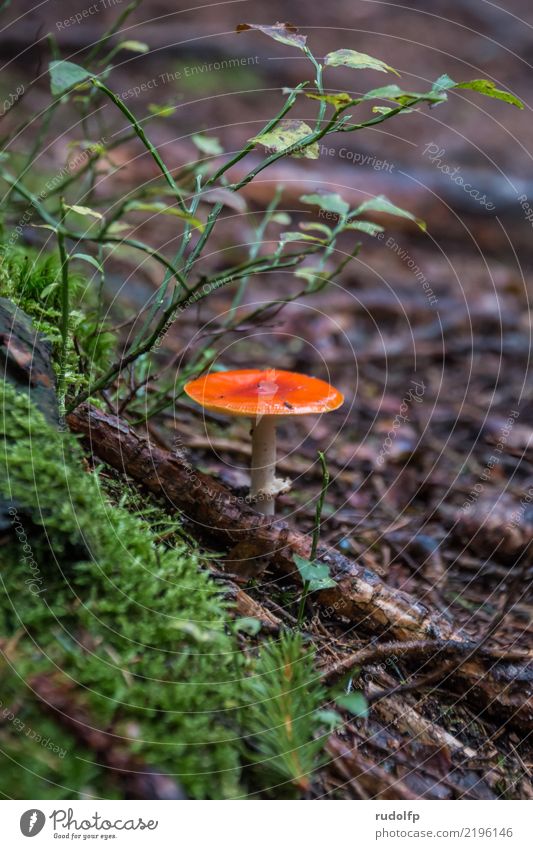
(285, 33)
(365, 227)
(89, 259)
(318, 227)
(160, 110)
(328, 201)
(287, 134)
(314, 276)
(400, 96)
(226, 197)
(84, 210)
(134, 46)
(353, 59)
(64, 75)
(207, 144)
(383, 204)
(163, 209)
(299, 237)
(340, 100)
(486, 87)
(315, 575)
(355, 703)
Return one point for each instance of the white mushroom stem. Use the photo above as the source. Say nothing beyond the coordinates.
(264, 483)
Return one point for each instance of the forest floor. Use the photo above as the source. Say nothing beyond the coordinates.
(428, 336)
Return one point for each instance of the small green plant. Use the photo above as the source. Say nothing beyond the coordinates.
(315, 576)
(283, 716)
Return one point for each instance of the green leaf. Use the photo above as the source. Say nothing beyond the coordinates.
(329, 201)
(84, 210)
(386, 110)
(339, 101)
(383, 204)
(365, 227)
(315, 575)
(248, 625)
(160, 110)
(281, 218)
(443, 83)
(89, 259)
(313, 275)
(330, 718)
(287, 134)
(355, 703)
(285, 33)
(488, 88)
(48, 290)
(139, 206)
(207, 144)
(299, 237)
(317, 226)
(118, 227)
(353, 59)
(134, 46)
(64, 75)
(400, 96)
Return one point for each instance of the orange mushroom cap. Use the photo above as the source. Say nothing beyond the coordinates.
(263, 392)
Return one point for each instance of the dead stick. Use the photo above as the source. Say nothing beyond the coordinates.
(415, 649)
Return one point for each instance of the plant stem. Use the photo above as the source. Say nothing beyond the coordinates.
(144, 138)
(65, 311)
(100, 44)
(320, 504)
(254, 250)
(316, 532)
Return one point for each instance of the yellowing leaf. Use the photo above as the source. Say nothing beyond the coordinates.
(85, 210)
(339, 100)
(160, 110)
(488, 88)
(285, 33)
(139, 206)
(353, 59)
(287, 134)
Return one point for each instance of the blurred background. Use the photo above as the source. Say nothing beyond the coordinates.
(443, 315)
(448, 307)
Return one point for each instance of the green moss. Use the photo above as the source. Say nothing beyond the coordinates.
(32, 282)
(38, 758)
(136, 624)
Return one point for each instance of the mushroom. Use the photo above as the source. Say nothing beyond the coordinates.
(265, 396)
